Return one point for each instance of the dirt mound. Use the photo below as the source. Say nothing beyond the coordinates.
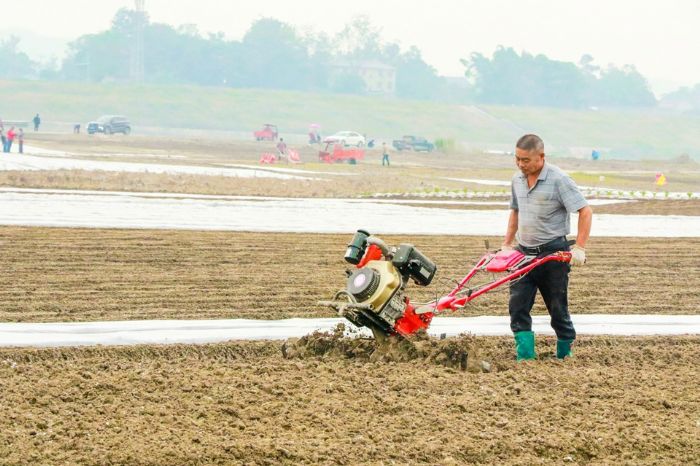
(460, 353)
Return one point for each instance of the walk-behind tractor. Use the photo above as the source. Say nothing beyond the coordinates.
(375, 297)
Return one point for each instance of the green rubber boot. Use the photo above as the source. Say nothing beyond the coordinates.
(525, 345)
(564, 349)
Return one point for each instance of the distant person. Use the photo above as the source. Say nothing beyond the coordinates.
(314, 136)
(20, 140)
(281, 149)
(37, 121)
(385, 154)
(11, 134)
(76, 128)
(3, 139)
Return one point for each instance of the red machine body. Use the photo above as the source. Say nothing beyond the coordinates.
(337, 152)
(513, 263)
(267, 133)
(375, 295)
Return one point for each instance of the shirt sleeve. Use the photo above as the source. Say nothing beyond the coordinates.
(570, 196)
(513, 198)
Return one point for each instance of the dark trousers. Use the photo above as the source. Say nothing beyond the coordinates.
(385, 158)
(552, 281)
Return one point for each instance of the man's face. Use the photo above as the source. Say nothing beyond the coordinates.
(529, 162)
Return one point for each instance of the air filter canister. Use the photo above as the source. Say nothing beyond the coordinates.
(363, 283)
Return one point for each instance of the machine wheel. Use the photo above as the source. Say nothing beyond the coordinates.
(352, 161)
(127, 131)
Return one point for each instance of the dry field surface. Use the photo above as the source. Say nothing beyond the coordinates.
(409, 173)
(54, 274)
(619, 401)
(330, 400)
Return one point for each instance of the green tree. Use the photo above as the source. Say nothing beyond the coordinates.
(347, 83)
(624, 87)
(415, 78)
(359, 40)
(273, 55)
(96, 57)
(15, 63)
(523, 79)
(685, 99)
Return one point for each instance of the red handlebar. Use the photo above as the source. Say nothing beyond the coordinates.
(453, 303)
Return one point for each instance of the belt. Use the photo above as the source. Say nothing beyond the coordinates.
(549, 246)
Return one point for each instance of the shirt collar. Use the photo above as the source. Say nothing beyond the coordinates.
(541, 177)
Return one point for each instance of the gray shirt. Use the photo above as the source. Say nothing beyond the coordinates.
(543, 210)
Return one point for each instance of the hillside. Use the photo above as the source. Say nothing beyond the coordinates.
(647, 133)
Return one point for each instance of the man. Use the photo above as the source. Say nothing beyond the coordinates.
(10, 139)
(281, 149)
(20, 140)
(37, 121)
(542, 198)
(385, 154)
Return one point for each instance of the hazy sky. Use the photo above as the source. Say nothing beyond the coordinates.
(660, 37)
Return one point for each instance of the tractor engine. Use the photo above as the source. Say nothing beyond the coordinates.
(375, 288)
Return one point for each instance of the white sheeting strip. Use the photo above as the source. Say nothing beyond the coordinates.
(295, 215)
(209, 331)
(30, 162)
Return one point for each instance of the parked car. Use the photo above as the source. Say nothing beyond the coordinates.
(415, 143)
(346, 138)
(267, 133)
(109, 124)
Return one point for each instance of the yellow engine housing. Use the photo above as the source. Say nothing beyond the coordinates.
(389, 282)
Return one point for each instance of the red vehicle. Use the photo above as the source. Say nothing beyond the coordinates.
(268, 133)
(337, 152)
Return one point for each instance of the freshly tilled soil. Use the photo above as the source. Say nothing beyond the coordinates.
(54, 274)
(326, 398)
(619, 400)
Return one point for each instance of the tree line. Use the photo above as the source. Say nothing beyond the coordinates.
(275, 55)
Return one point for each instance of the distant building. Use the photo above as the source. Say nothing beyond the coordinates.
(378, 78)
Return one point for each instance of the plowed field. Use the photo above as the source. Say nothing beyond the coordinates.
(618, 401)
(621, 401)
(54, 274)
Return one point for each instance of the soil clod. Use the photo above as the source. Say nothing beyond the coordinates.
(459, 353)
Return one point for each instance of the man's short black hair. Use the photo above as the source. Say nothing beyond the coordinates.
(530, 142)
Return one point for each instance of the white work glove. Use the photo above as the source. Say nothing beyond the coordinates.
(578, 255)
